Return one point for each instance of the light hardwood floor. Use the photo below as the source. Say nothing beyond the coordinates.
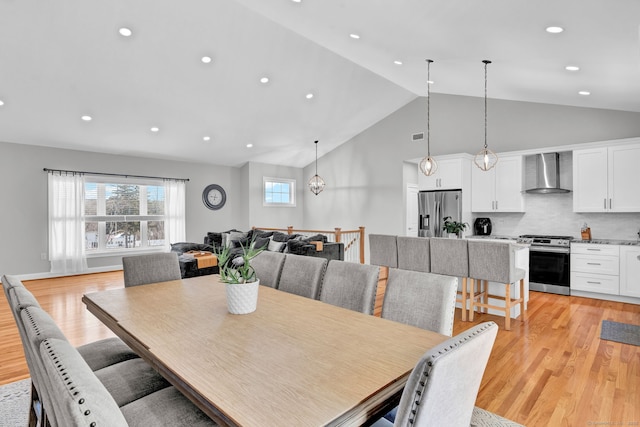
(551, 370)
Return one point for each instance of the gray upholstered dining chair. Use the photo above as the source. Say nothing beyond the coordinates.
(495, 262)
(443, 386)
(383, 250)
(268, 267)
(451, 258)
(414, 254)
(425, 300)
(302, 275)
(350, 285)
(152, 268)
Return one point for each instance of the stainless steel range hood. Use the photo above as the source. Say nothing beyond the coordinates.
(547, 174)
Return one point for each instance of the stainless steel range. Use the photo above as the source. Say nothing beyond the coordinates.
(549, 268)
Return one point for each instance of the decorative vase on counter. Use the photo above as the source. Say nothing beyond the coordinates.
(242, 298)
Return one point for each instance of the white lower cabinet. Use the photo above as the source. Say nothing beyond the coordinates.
(630, 271)
(595, 268)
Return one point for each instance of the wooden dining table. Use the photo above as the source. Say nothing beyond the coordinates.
(294, 361)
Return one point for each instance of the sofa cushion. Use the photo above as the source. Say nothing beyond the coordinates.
(261, 242)
(183, 247)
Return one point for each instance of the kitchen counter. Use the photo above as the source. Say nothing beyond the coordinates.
(609, 242)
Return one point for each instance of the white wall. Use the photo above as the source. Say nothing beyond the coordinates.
(365, 179)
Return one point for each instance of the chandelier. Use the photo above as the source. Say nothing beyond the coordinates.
(316, 183)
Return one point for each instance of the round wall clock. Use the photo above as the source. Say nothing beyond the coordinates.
(214, 196)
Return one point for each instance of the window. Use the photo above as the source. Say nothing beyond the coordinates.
(279, 192)
(123, 214)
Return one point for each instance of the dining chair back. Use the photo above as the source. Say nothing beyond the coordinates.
(151, 268)
(350, 285)
(302, 275)
(443, 386)
(383, 250)
(451, 258)
(425, 300)
(414, 253)
(79, 398)
(268, 267)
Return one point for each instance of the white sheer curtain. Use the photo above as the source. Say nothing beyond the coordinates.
(66, 223)
(174, 210)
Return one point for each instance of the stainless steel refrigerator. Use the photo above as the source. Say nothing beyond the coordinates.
(433, 206)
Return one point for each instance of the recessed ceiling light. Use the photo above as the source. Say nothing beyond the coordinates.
(354, 36)
(1, 102)
(264, 80)
(249, 145)
(430, 82)
(125, 32)
(206, 59)
(155, 129)
(584, 92)
(397, 62)
(87, 118)
(297, 1)
(572, 68)
(309, 96)
(554, 30)
(206, 138)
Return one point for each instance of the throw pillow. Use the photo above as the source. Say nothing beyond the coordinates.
(261, 242)
(275, 246)
(235, 235)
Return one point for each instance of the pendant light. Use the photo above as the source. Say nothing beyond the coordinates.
(428, 165)
(485, 159)
(316, 183)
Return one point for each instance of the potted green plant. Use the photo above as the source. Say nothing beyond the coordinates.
(454, 228)
(239, 277)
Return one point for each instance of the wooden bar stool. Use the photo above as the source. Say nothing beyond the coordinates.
(451, 258)
(495, 262)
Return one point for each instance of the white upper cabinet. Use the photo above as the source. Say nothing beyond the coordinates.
(498, 189)
(449, 175)
(606, 179)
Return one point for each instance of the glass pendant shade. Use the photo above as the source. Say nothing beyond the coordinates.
(428, 166)
(316, 183)
(485, 159)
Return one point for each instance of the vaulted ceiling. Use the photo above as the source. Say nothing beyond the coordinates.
(62, 60)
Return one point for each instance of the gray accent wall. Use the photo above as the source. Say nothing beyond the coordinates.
(365, 178)
(23, 213)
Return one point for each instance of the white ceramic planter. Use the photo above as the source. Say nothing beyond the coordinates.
(242, 298)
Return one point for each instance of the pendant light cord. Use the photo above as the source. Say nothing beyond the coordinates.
(316, 158)
(486, 62)
(429, 61)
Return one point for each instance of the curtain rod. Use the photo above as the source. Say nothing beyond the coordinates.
(114, 174)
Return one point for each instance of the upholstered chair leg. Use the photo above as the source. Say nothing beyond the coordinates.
(485, 285)
(464, 300)
(507, 306)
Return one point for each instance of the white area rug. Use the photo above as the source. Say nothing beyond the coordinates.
(14, 403)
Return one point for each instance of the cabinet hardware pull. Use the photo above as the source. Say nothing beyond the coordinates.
(597, 250)
(594, 283)
(609, 203)
(605, 203)
(496, 205)
(593, 263)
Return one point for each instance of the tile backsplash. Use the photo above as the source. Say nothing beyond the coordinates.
(553, 214)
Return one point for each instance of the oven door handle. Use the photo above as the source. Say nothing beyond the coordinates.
(549, 249)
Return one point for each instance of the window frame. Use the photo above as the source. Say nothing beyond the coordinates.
(292, 192)
(102, 219)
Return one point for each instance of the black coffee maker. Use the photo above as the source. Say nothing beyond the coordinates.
(482, 226)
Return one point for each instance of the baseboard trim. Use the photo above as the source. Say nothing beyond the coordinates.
(49, 275)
